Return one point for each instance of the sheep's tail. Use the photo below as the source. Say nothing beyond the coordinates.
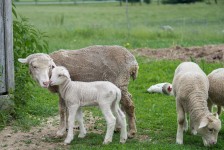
(134, 71)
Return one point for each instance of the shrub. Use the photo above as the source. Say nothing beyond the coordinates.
(26, 40)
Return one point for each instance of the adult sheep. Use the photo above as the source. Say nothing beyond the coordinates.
(216, 89)
(95, 63)
(190, 87)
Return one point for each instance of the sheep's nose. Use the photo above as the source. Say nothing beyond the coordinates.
(46, 83)
(213, 143)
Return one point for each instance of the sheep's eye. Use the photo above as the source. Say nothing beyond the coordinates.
(210, 130)
(59, 75)
(35, 67)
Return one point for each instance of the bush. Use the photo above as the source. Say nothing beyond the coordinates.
(26, 40)
(180, 1)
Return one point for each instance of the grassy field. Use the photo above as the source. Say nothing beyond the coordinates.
(77, 26)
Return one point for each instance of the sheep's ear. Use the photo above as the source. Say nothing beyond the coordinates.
(23, 60)
(203, 123)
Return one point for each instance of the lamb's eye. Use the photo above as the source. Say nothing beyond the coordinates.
(35, 67)
(59, 75)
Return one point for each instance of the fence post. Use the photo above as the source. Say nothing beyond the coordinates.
(6, 57)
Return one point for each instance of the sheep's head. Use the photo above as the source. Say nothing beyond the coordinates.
(59, 75)
(209, 129)
(40, 66)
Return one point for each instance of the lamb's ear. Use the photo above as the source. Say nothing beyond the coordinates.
(66, 74)
(23, 60)
(203, 123)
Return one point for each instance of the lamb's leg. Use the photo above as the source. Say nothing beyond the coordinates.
(72, 110)
(121, 120)
(111, 121)
(62, 111)
(180, 120)
(79, 118)
(128, 107)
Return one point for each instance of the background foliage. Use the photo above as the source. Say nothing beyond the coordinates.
(27, 39)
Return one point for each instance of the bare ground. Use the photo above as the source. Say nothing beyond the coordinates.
(211, 53)
(43, 136)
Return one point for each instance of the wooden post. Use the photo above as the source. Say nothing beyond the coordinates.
(6, 53)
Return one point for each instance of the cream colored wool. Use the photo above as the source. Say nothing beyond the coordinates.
(95, 63)
(99, 93)
(190, 87)
(216, 89)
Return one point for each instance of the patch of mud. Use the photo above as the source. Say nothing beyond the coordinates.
(44, 136)
(210, 53)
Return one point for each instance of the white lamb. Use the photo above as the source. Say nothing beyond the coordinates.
(78, 94)
(216, 89)
(190, 87)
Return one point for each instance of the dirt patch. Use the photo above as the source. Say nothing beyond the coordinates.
(44, 136)
(211, 53)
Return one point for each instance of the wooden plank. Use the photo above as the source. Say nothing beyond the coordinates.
(9, 45)
(2, 50)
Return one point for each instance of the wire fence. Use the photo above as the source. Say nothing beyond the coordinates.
(62, 2)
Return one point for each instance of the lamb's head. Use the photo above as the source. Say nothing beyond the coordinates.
(40, 66)
(59, 75)
(209, 128)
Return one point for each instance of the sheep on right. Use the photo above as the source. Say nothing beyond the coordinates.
(216, 89)
(190, 88)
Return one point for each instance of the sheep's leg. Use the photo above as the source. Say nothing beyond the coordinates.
(209, 105)
(121, 120)
(72, 110)
(185, 123)
(193, 129)
(79, 118)
(111, 121)
(62, 110)
(128, 107)
(219, 110)
(180, 120)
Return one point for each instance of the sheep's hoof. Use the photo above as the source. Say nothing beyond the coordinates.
(131, 134)
(107, 142)
(81, 135)
(123, 140)
(178, 141)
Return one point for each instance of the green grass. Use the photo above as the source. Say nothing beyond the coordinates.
(77, 26)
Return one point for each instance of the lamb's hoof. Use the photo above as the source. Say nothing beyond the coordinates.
(131, 134)
(67, 141)
(81, 135)
(178, 141)
(105, 142)
(59, 134)
(123, 140)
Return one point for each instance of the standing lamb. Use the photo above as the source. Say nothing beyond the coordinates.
(95, 63)
(78, 94)
(216, 89)
(190, 87)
